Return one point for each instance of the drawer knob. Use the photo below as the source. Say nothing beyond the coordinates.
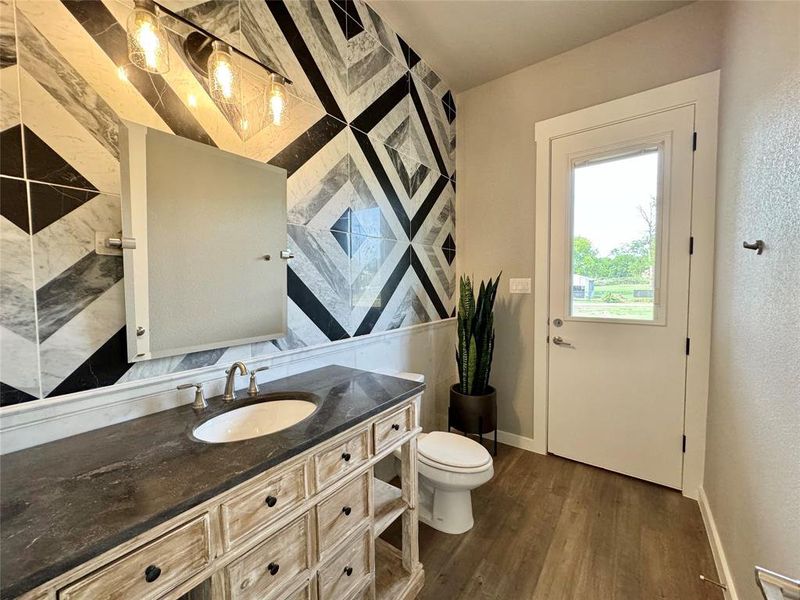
(271, 501)
(346, 456)
(348, 571)
(151, 573)
(273, 568)
(347, 510)
(396, 426)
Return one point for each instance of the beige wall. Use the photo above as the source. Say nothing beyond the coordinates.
(496, 179)
(753, 448)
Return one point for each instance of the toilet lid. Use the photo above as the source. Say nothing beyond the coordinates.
(452, 450)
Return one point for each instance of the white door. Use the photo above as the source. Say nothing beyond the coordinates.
(619, 289)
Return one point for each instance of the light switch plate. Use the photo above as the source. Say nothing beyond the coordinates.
(520, 286)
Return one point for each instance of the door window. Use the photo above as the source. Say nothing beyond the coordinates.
(615, 250)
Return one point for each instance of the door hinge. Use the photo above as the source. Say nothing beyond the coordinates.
(683, 445)
(691, 244)
(688, 344)
(694, 141)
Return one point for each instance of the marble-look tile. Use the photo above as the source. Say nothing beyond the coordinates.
(219, 17)
(70, 238)
(264, 39)
(18, 339)
(370, 21)
(318, 193)
(80, 338)
(325, 44)
(374, 274)
(49, 203)
(302, 330)
(10, 130)
(19, 373)
(14, 206)
(441, 274)
(393, 181)
(40, 55)
(16, 274)
(376, 80)
(409, 306)
(434, 220)
(48, 119)
(44, 164)
(8, 40)
(429, 116)
(321, 264)
(68, 294)
(10, 127)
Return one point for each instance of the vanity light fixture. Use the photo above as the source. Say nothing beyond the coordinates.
(223, 75)
(148, 48)
(278, 98)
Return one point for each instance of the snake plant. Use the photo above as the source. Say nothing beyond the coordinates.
(475, 336)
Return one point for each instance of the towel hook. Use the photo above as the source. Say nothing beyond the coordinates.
(758, 246)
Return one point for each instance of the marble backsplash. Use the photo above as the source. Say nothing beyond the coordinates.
(369, 146)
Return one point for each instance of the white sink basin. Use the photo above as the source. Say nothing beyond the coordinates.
(254, 420)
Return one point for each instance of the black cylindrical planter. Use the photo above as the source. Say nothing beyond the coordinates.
(473, 414)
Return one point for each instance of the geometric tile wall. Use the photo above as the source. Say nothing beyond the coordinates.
(369, 146)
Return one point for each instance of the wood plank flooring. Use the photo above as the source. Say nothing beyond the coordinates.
(547, 528)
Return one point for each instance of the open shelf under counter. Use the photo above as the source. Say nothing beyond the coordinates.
(389, 504)
(392, 580)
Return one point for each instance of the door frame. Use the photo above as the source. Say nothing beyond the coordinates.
(702, 92)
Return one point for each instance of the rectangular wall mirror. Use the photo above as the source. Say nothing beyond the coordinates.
(204, 235)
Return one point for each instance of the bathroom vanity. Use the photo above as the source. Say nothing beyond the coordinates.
(144, 510)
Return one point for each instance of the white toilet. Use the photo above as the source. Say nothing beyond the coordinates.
(450, 466)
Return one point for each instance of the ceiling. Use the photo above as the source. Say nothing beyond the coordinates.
(470, 42)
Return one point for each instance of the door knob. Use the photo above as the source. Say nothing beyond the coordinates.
(559, 341)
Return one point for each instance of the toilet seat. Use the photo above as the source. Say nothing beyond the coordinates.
(453, 453)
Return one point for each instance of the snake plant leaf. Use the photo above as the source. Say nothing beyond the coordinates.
(475, 348)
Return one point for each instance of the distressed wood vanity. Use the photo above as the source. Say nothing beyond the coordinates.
(305, 529)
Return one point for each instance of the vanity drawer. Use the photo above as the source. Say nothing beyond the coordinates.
(364, 593)
(260, 506)
(270, 566)
(342, 573)
(392, 427)
(331, 464)
(151, 570)
(304, 593)
(338, 515)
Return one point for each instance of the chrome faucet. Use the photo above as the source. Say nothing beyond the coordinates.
(231, 373)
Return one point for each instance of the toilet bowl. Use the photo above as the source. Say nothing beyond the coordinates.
(450, 466)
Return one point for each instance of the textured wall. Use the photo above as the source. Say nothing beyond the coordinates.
(752, 475)
(369, 146)
(497, 160)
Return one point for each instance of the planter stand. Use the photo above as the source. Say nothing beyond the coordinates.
(473, 414)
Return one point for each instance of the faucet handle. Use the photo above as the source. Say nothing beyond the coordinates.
(252, 389)
(199, 397)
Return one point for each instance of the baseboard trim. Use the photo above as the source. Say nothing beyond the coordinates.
(721, 561)
(518, 441)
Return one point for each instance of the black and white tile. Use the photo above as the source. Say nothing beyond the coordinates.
(368, 145)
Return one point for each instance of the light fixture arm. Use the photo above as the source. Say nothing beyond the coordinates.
(204, 46)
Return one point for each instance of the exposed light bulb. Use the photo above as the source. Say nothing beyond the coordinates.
(223, 75)
(191, 100)
(122, 73)
(278, 99)
(147, 39)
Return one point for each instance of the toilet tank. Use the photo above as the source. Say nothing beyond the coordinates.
(411, 377)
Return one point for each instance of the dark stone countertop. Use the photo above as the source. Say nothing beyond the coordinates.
(67, 501)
